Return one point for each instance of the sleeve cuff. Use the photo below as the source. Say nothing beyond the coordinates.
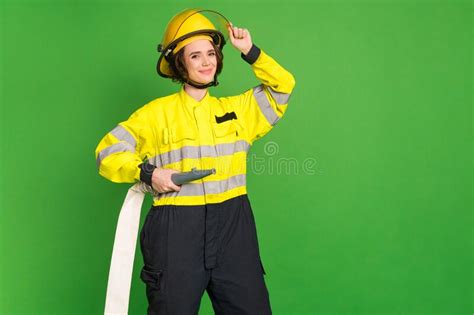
(252, 55)
(146, 172)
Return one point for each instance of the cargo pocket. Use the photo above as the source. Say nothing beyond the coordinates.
(152, 278)
(263, 269)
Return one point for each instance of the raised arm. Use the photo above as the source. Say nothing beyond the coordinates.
(263, 105)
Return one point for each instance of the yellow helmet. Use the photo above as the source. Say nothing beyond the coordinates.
(183, 28)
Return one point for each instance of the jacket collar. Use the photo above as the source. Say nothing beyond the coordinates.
(190, 104)
(189, 101)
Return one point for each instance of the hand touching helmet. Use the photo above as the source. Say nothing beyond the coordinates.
(240, 38)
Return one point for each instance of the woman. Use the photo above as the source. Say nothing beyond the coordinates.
(199, 236)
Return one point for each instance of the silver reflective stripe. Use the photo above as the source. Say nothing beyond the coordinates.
(195, 152)
(210, 187)
(118, 147)
(220, 186)
(122, 134)
(280, 98)
(230, 148)
(264, 105)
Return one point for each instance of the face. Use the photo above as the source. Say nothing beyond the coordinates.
(200, 60)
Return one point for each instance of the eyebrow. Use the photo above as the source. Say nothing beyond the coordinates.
(198, 52)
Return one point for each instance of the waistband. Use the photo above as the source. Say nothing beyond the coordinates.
(232, 199)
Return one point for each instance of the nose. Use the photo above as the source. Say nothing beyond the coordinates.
(205, 61)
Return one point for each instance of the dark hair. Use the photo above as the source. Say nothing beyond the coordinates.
(181, 66)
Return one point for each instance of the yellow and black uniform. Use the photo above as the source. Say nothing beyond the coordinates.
(208, 225)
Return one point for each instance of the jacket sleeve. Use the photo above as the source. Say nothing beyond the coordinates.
(264, 105)
(117, 153)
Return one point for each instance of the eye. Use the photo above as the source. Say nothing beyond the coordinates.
(193, 56)
(212, 54)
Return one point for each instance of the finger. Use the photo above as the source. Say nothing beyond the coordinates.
(239, 33)
(170, 186)
(175, 187)
(236, 34)
(165, 189)
(231, 32)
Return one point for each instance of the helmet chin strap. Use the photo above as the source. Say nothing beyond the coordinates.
(203, 86)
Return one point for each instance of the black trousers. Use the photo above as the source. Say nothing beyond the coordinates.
(214, 247)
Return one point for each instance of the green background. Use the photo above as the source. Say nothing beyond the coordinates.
(382, 104)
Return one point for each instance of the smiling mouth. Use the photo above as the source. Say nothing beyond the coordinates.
(206, 71)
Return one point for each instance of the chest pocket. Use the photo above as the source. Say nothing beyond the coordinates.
(182, 133)
(228, 131)
(175, 138)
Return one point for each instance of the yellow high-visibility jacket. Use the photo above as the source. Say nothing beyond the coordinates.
(180, 133)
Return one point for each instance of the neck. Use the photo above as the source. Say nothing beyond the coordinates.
(197, 94)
